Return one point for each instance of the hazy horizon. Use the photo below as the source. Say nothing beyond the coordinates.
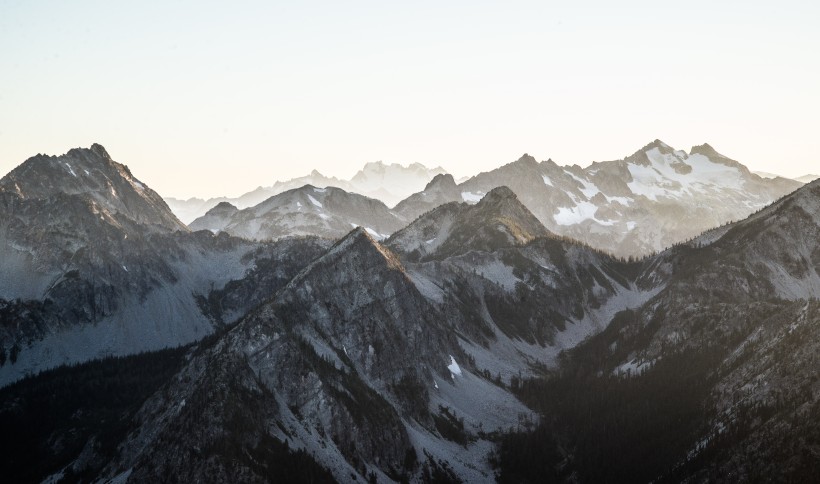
(208, 99)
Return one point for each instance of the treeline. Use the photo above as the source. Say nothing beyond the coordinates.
(606, 428)
(48, 419)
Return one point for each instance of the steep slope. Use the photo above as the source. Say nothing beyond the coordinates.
(641, 204)
(771, 257)
(517, 294)
(441, 189)
(736, 322)
(216, 219)
(93, 263)
(348, 362)
(93, 175)
(326, 212)
(498, 220)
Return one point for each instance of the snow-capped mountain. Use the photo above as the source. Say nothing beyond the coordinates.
(388, 183)
(514, 303)
(635, 206)
(378, 366)
(411, 357)
(94, 263)
(641, 204)
(394, 182)
(722, 358)
(326, 212)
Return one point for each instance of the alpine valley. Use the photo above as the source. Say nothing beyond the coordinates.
(648, 319)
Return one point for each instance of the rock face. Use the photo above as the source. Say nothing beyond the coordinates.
(95, 264)
(376, 365)
(403, 359)
(441, 189)
(341, 362)
(325, 212)
(736, 317)
(641, 204)
(498, 220)
(92, 175)
(374, 321)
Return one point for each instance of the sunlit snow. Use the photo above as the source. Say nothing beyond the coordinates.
(661, 180)
(577, 214)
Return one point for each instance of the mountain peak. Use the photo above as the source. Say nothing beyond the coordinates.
(359, 242)
(640, 157)
(527, 159)
(223, 207)
(442, 180)
(705, 149)
(90, 173)
(498, 194)
(708, 151)
(663, 147)
(498, 220)
(100, 151)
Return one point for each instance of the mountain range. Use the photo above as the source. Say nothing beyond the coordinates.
(95, 264)
(631, 207)
(389, 183)
(463, 336)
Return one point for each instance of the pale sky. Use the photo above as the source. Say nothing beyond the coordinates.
(215, 98)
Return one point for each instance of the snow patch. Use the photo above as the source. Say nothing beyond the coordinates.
(588, 189)
(314, 201)
(375, 234)
(661, 180)
(455, 370)
(579, 213)
(471, 197)
(633, 368)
